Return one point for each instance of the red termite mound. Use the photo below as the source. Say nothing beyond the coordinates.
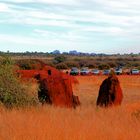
(55, 86)
(110, 92)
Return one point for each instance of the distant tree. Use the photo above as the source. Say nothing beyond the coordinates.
(61, 66)
(65, 53)
(59, 59)
(103, 66)
(112, 64)
(71, 64)
(83, 63)
(56, 52)
(74, 52)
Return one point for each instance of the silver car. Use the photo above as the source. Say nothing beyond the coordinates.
(118, 71)
(84, 71)
(95, 72)
(106, 72)
(135, 71)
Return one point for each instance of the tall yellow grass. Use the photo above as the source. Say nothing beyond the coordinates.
(84, 123)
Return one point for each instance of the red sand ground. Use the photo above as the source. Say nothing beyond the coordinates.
(88, 89)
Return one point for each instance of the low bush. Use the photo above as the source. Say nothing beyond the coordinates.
(59, 59)
(12, 92)
(103, 66)
(61, 66)
(28, 64)
(71, 64)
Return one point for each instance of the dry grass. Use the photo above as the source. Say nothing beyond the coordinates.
(89, 86)
(84, 123)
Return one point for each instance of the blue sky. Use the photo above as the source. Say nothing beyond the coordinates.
(100, 26)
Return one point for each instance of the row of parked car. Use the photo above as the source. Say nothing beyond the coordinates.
(87, 71)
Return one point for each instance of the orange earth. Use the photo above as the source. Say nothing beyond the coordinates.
(87, 122)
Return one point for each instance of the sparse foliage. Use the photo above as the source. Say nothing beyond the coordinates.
(59, 59)
(12, 92)
(61, 66)
(103, 66)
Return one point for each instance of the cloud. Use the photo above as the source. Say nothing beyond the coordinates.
(67, 36)
(16, 39)
(24, 43)
(60, 2)
(4, 7)
(56, 2)
(77, 21)
(79, 14)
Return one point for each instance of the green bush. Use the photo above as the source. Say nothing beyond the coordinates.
(28, 64)
(82, 63)
(112, 64)
(25, 64)
(103, 66)
(71, 64)
(59, 59)
(61, 66)
(12, 92)
(138, 67)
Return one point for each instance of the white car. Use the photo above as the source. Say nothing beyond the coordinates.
(106, 72)
(135, 71)
(84, 71)
(74, 71)
(95, 72)
(118, 71)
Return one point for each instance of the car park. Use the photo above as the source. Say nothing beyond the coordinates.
(84, 71)
(135, 72)
(74, 71)
(95, 72)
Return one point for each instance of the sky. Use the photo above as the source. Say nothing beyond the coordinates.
(93, 26)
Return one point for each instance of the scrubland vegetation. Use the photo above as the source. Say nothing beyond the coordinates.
(13, 92)
(66, 61)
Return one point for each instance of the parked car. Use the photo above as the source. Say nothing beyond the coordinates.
(118, 71)
(74, 71)
(84, 71)
(135, 71)
(95, 72)
(106, 72)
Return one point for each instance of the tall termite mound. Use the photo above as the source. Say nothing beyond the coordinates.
(55, 87)
(110, 92)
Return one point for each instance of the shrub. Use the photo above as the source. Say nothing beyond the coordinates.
(83, 63)
(24, 64)
(12, 92)
(112, 64)
(59, 59)
(91, 64)
(103, 66)
(135, 64)
(138, 67)
(50, 64)
(61, 66)
(28, 64)
(71, 64)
